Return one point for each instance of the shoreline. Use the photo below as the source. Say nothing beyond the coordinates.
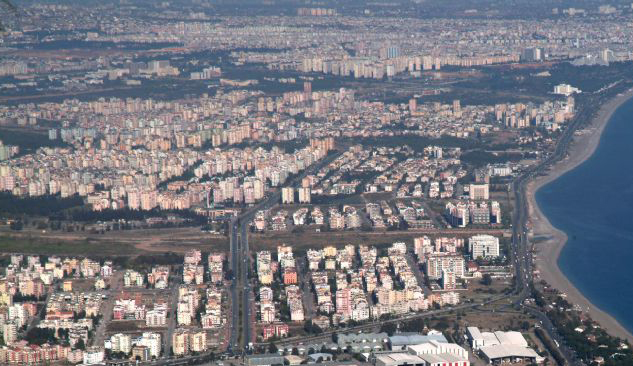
(548, 251)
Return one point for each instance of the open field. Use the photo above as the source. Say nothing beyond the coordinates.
(132, 242)
(35, 245)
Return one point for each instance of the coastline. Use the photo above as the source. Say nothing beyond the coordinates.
(548, 251)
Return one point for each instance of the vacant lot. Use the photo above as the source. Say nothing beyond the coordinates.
(132, 242)
(35, 245)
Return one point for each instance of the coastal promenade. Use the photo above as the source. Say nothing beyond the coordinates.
(579, 147)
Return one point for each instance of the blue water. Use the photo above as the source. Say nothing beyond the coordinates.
(593, 204)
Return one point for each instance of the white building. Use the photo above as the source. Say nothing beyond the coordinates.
(9, 333)
(198, 341)
(501, 346)
(479, 191)
(153, 342)
(121, 343)
(436, 348)
(566, 89)
(93, 355)
(287, 195)
(304, 195)
(483, 246)
(156, 318)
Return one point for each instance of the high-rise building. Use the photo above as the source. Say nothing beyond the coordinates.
(304, 195)
(448, 280)
(287, 195)
(437, 262)
(93, 355)
(532, 54)
(307, 89)
(393, 52)
(180, 342)
(483, 246)
(141, 353)
(198, 341)
(121, 343)
(343, 302)
(9, 333)
(479, 192)
(419, 245)
(607, 55)
(457, 108)
(153, 342)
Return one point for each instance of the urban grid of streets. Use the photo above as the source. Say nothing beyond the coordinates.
(241, 336)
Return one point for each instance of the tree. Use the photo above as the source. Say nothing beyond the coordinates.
(80, 345)
(486, 280)
(442, 324)
(16, 225)
(389, 328)
(40, 336)
(79, 315)
(272, 348)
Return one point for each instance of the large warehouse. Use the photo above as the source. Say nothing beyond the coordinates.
(498, 347)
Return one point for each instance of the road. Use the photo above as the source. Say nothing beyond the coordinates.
(304, 284)
(419, 276)
(240, 262)
(116, 284)
(35, 321)
(521, 253)
(234, 267)
(172, 321)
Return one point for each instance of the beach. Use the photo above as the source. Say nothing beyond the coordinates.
(548, 250)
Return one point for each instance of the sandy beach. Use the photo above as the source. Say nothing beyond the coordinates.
(548, 251)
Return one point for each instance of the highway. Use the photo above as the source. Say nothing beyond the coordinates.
(116, 284)
(233, 265)
(35, 320)
(240, 261)
(521, 253)
(172, 321)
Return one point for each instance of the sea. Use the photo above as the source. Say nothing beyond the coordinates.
(593, 204)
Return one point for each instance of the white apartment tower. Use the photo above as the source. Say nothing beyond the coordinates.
(287, 195)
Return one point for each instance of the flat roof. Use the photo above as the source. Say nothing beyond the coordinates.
(474, 332)
(265, 359)
(507, 351)
(516, 338)
(405, 340)
(398, 358)
(498, 337)
(490, 338)
(442, 357)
